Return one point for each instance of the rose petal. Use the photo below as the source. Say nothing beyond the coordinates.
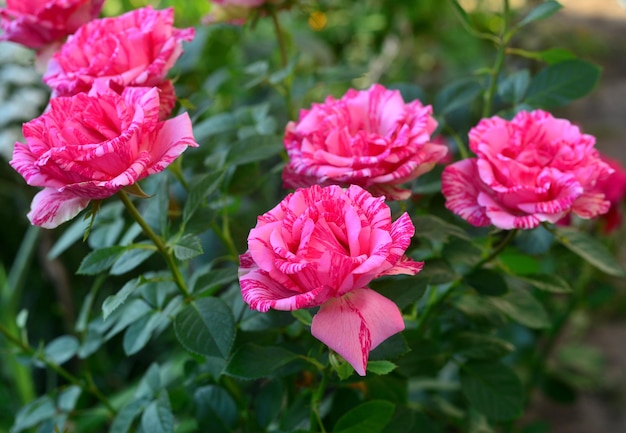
(460, 185)
(51, 207)
(355, 324)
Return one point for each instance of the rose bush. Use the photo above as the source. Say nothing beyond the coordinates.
(134, 49)
(38, 23)
(89, 146)
(369, 138)
(322, 247)
(531, 169)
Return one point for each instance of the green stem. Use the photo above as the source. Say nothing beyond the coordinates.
(463, 152)
(502, 43)
(316, 399)
(158, 242)
(496, 250)
(284, 60)
(91, 388)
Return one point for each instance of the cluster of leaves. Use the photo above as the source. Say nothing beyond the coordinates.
(153, 351)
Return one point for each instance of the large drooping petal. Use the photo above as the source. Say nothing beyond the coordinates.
(355, 324)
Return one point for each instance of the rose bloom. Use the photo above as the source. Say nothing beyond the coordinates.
(369, 138)
(530, 169)
(39, 23)
(90, 146)
(321, 246)
(134, 49)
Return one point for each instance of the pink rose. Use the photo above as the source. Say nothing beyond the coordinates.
(89, 146)
(322, 247)
(39, 23)
(531, 169)
(134, 49)
(369, 138)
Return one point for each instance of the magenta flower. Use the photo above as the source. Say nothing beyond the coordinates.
(369, 138)
(134, 49)
(322, 247)
(531, 169)
(89, 146)
(39, 23)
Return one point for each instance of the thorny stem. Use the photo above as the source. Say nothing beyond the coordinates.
(158, 242)
(88, 387)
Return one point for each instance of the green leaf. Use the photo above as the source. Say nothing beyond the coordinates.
(561, 83)
(456, 95)
(254, 148)
(493, 389)
(68, 397)
(438, 271)
(61, 349)
(113, 302)
(513, 88)
(254, 362)
(216, 410)
(475, 307)
(187, 247)
(199, 191)
(522, 307)
(222, 122)
(369, 417)
(206, 327)
(436, 229)
(33, 413)
(158, 417)
(487, 282)
(126, 415)
(72, 233)
(203, 281)
(589, 249)
(547, 282)
(155, 210)
(268, 402)
(480, 346)
(139, 333)
(131, 258)
(403, 291)
(540, 12)
(381, 367)
(100, 260)
(303, 316)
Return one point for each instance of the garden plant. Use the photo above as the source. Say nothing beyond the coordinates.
(297, 216)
